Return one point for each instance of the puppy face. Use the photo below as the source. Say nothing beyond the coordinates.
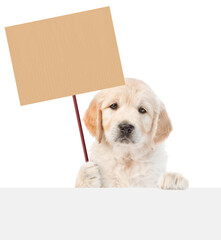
(129, 114)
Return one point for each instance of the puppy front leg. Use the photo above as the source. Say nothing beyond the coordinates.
(173, 181)
(89, 176)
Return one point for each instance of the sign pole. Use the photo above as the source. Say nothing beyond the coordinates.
(80, 128)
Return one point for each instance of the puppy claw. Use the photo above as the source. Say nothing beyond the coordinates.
(173, 181)
(89, 176)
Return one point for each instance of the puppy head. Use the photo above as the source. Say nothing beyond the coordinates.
(128, 114)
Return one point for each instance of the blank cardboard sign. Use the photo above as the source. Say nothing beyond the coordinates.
(64, 56)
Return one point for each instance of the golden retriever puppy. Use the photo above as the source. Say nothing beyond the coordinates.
(130, 124)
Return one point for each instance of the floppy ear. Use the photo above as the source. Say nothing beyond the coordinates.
(161, 126)
(93, 119)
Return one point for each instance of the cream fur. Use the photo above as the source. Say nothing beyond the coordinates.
(142, 161)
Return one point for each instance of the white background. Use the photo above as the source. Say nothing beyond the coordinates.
(174, 46)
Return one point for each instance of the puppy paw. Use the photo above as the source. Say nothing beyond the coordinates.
(89, 176)
(173, 181)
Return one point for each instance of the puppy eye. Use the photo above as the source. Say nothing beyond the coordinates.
(142, 110)
(114, 106)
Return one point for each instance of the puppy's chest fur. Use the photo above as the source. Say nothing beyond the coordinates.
(123, 172)
(126, 169)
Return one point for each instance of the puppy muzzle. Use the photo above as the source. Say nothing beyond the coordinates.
(125, 133)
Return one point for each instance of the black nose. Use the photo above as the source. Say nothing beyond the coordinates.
(126, 128)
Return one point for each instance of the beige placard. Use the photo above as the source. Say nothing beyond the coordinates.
(65, 55)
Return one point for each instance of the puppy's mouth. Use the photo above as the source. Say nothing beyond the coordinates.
(124, 139)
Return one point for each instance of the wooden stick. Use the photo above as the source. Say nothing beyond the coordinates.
(80, 128)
